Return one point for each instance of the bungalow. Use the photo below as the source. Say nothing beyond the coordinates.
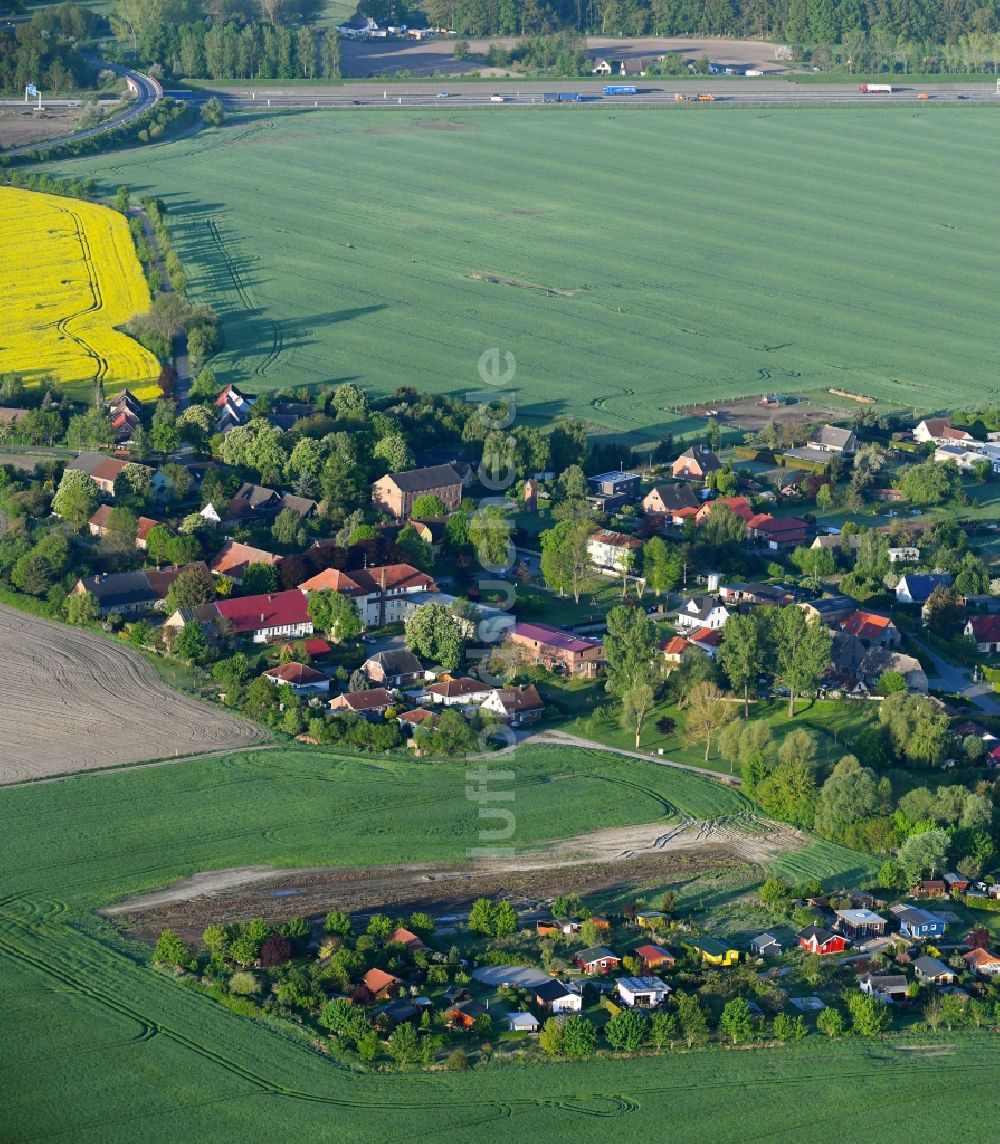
(393, 668)
(708, 640)
(612, 551)
(394, 1014)
(985, 630)
(515, 705)
(597, 959)
(830, 439)
(458, 692)
(552, 647)
(918, 924)
(859, 923)
(281, 615)
(395, 492)
(522, 1023)
(765, 945)
(303, 680)
(931, 888)
(546, 929)
(411, 720)
(464, 1016)
(654, 956)
(383, 985)
(955, 882)
(651, 919)
(933, 972)
(642, 992)
(915, 589)
(885, 986)
(712, 952)
(404, 937)
(695, 464)
(557, 997)
(837, 543)
(878, 660)
(370, 704)
(703, 612)
(612, 490)
(830, 609)
(982, 962)
(871, 628)
(250, 504)
(233, 559)
(908, 554)
(963, 458)
(821, 941)
(664, 502)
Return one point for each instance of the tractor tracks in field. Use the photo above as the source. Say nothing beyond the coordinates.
(246, 301)
(96, 303)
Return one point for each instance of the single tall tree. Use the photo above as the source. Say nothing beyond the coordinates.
(741, 654)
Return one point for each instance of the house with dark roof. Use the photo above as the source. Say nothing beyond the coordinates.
(703, 612)
(278, 615)
(663, 502)
(609, 491)
(370, 704)
(915, 588)
(821, 941)
(765, 945)
(130, 593)
(831, 439)
(558, 997)
(918, 924)
(777, 532)
(302, 679)
(861, 923)
(393, 668)
(830, 609)
(888, 987)
(711, 951)
(932, 971)
(395, 492)
(695, 464)
(878, 660)
(597, 959)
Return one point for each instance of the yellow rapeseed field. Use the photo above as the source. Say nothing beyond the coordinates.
(68, 276)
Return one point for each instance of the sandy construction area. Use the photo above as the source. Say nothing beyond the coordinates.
(71, 701)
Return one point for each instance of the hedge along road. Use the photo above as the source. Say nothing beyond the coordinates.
(149, 95)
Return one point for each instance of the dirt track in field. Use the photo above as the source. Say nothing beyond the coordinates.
(72, 701)
(629, 856)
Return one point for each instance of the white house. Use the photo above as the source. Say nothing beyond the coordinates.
(905, 555)
(609, 551)
(703, 612)
(963, 458)
(642, 992)
(380, 594)
(522, 1022)
(939, 430)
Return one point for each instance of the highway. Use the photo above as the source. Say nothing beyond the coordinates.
(654, 92)
(149, 94)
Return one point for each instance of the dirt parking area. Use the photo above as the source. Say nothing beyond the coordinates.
(749, 416)
(21, 126)
(72, 701)
(627, 858)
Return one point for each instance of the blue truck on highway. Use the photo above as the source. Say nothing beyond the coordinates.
(613, 89)
(562, 97)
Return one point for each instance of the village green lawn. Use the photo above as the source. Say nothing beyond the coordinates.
(99, 1047)
(632, 261)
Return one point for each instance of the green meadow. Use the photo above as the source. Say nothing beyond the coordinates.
(632, 261)
(99, 1047)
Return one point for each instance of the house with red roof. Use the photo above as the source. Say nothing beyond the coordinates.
(708, 639)
(458, 692)
(777, 532)
(234, 558)
(369, 704)
(554, 648)
(738, 505)
(985, 630)
(871, 628)
(98, 526)
(655, 956)
(381, 594)
(674, 649)
(302, 679)
(406, 938)
(515, 705)
(104, 471)
(382, 985)
(278, 615)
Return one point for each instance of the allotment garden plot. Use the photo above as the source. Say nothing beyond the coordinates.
(69, 276)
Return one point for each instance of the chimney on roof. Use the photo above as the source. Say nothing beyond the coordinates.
(262, 617)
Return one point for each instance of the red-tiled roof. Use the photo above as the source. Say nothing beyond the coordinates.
(676, 645)
(416, 716)
(738, 505)
(254, 613)
(368, 700)
(100, 517)
(144, 526)
(317, 647)
(377, 980)
(234, 557)
(524, 698)
(296, 673)
(456, 688)
(707, 635)
(333, 580)
(867, 625)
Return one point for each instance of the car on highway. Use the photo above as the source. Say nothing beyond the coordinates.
(496, 99)
(443, 94)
